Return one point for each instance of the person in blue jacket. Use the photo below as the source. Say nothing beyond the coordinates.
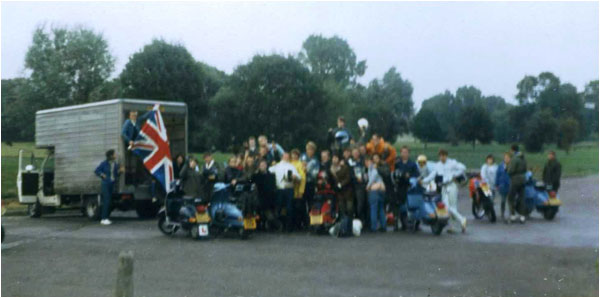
(108, 171)
(404, 169)
(503, 182)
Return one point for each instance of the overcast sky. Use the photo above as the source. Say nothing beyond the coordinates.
(436, 46)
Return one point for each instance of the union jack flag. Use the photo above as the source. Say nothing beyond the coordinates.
(152, 145)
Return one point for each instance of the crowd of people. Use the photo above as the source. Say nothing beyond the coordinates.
(367, 177)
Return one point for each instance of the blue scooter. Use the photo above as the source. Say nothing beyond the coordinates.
(425, 207)
(540, 197)
(225, 214)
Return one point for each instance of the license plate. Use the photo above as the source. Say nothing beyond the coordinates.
(316, 219)
(250, 223)
(203, 230)
(202, 217)
(441, 212)
(554, 202)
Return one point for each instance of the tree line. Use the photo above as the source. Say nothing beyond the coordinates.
(290, 98)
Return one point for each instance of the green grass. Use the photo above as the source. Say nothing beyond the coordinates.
(581, 161)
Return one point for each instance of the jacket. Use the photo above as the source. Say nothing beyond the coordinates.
(281, 170)
(488, 174)
(426, 169)
(517, 168)
(192, 181)
(385, 150)
(448, 170)
(231, 173)
(312, 168)
(103, 169)
(301, 185)
(130, 130)
(502, 179)
(403, 171)
(552, 173)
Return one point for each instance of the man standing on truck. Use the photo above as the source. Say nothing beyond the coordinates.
(130, 131)
(108, 171)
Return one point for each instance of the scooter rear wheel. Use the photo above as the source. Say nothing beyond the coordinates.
(478, 210)
(550, 212)
(437, 228)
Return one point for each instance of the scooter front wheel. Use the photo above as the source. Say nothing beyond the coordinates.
(478, 210)
(550, 212)
(437, 228)
(164, 227)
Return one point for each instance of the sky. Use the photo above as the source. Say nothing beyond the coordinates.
(437, 46)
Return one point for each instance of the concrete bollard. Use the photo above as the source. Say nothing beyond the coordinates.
(124, 286)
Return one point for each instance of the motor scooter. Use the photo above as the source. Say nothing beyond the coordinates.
(424, 205)
(246, 199)
(540, 197)
(185, 213)
(322, 214)
(225, 214)
(482, 203)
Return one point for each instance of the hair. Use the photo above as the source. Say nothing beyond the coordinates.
(552, 152)
(405, 147)
(375, 135)
(295, 151)
(251, 138)
(443, 151)
(312, 145)
(341, 118)
(347, 149)
(132, 111)
(507, 153)
(110, 153)
(489, 156)
(262, 137)
(515, 148)
(325, 150)
(207, 154)
(232, 158)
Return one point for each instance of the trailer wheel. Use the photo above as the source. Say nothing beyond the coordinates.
(91, 207)
(34, 210)
(146, 209)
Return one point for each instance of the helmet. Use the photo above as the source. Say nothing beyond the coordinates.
(356, 227)
(422, 158)
(362, 122)
(342, 137)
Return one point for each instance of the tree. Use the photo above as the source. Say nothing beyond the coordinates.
(426, 127)
(590, 114)
(539, 129)
(331, 59)
(387, 104)
(274, 95)
(446, 109)
(476, 125)
(568, 130)
(67, 65)
(468, 96)
(165, 71)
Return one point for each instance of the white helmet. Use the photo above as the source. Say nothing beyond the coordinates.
(29, 168)
(356, 227)
(362, 122)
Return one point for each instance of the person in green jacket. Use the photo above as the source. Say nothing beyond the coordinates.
(516, 171)
(552, 171)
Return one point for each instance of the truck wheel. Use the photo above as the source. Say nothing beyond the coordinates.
(34, 210)
(146, 209)
(92, 207)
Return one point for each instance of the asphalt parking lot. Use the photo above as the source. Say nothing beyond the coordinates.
(64, 254)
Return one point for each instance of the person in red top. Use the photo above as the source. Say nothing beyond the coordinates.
(383, 149)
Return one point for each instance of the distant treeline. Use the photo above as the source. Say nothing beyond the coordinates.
(291, 98)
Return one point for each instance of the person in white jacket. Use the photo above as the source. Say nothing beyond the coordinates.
(285, 175)
(449, 169)
(488, 173)
(425, 166)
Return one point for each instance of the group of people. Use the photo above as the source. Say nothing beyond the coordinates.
(366, 176)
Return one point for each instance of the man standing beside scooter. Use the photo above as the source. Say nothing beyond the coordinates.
(404, 169)
(516, 170)
(449, 169)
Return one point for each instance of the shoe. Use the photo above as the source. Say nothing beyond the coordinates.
(463, 225)
(522, 219)
(105, 222)
(512, 219)
(450, 231)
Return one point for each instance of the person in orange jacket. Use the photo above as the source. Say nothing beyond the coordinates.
(385, 150)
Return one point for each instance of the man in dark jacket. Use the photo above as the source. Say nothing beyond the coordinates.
(343, 187)
(552, 172)
(340, 138)
(191, 179)
(266, 187)
(516, 170)
(404, 169)
(108, 171)
(210, 175)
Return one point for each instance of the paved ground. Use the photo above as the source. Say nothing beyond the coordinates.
(66, 255)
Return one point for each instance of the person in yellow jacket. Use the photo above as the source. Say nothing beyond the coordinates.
(300, 212)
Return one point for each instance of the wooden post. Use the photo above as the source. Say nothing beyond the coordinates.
(124, 286)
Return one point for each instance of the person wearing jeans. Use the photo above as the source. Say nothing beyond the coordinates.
(376, 196)
(285, 174)
(108, 170)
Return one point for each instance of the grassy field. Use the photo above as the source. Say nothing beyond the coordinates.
(581, 161)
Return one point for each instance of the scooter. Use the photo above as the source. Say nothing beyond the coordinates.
(322, 215)
(225, 214)
(482, 203)
(188, 214)
(426, 206)
(245, 198)
(540, 197)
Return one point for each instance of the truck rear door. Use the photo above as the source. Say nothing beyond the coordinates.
(27, 178)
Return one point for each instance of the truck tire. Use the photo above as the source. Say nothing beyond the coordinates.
(34, 210)
(146, 209)
(91, 207)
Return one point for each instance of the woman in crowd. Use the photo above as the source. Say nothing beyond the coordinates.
(376, 194)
